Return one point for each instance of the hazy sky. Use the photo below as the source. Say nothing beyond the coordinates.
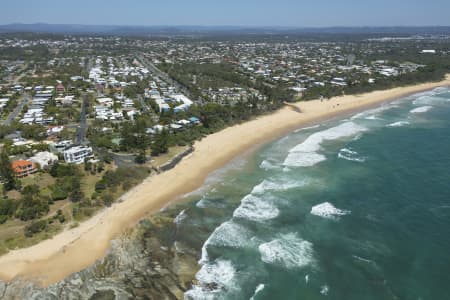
(228, 12)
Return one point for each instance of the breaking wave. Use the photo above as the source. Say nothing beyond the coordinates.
(256, 209)
(228, 234)
(327, 210)
(269, 185)
(371, 114)
(288, 251)
(421, 109)
(268, 165)
(258, 289)
(429, 99)
(324, 290)
(305, 154)
(398, 124)
(213, 279)
(350, 155)
(180, 217)
(307, 128)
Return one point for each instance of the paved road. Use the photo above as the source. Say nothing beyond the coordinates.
(144, 105)
(164, 76)
(81, 134)
(16, 111)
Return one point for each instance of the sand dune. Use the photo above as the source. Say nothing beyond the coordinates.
(75, 249)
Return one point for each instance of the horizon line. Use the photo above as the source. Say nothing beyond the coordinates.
(229, 25)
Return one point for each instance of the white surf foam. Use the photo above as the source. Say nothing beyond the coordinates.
(327, 210)
(398, 124)
(421, 109)
(218, 175)
(429, 99)
(324, 290)
(258, 289)
(305, 154)
(203, 203)
(280, 185)
(440, 90)
(180, 217)
(228, 234)
(268, 165)
(256, 209)
(288, 251)
(373, 117)
(303, 159)
(208, 201)
(350, 155)
(371, 114)
(307, 128)
(212, 279)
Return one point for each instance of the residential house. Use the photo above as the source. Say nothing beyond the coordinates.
(23, 168)
(44, 159)
(76, 155)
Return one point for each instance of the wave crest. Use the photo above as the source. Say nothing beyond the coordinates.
(327, 210)
(212, 279)
(256, 209)
(288, 251)
(305, 154)
(398, 124)
(421, 109)
(350, 155)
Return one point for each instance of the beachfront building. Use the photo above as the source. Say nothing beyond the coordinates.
(76, 155)
(23, 168)
(60, 146)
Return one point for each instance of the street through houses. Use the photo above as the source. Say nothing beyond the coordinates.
(81, 133)
(17, 110)
(164, 76)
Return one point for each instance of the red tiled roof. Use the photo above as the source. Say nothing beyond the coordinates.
(17, 165)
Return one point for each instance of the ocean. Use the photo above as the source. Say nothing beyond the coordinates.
(353, 208)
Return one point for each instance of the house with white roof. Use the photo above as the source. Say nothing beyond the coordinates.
(77, 154)
(44, 159)
(108, 102)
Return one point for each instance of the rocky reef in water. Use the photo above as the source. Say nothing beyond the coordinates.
(145, 263)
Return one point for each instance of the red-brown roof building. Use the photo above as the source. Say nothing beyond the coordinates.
(23, 168)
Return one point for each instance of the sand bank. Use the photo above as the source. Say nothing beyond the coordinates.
(77, 248)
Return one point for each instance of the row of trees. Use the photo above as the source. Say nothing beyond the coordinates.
(425, 74)
(123, 178)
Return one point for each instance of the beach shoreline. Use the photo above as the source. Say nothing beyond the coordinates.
(73, 250)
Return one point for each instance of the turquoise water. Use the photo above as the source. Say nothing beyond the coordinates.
(351, 209)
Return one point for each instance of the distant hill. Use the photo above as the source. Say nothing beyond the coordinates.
(214, 30)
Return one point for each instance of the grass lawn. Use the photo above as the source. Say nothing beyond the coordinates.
(12, 231)
(43, 180)
(166, 157)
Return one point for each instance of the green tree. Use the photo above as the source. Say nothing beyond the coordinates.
(35, 227)
(140, 158)
(6, 172)
(161, 143)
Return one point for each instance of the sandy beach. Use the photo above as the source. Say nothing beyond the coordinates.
(77, 248)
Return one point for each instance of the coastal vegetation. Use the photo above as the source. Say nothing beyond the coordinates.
(140, 102)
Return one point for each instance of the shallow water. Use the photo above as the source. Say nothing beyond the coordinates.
(351, 209)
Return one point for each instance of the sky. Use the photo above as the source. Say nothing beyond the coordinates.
(296, 13)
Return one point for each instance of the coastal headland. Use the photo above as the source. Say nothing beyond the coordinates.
(75, 249)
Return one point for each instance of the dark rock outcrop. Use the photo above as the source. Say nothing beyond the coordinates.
(144, 264)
